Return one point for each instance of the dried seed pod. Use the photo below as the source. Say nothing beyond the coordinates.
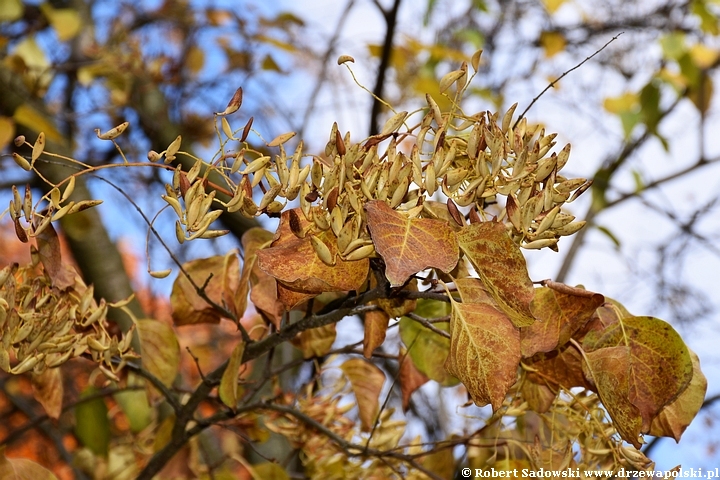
(455, 213)
(548, 220)
(246, 130)
(256, 165)
(430, 184)
(435, 109)
(214, 233)
(331, 199)
(179, 232)
(113, 132)
(175, 204)
(449, 78)
(344, 59)
(569, 185)
(399, 193)
(295, 225)
(269, 196)
(173, 149)
(318, 217)
(394, 123)
(322, 251)
(570, 228)
(507, 118)
(336, 220)
(38, 147)
(538, 244)
(280, 139)
(344, 237)
(583, 188)
(19, 141)
(227, 130)
(563, 156)
(360, 253)
(63, 211)
(22, 163)
(353, 198)
(234, 103)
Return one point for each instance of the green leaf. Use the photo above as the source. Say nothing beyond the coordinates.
(135, 405)
(659, 363)
(674, 419)
(673, 45)
(609, 234)
(92, 426)
(428, 350)
(269, 471)
(160, 349)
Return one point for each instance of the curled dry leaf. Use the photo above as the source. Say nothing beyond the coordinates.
(234, 103)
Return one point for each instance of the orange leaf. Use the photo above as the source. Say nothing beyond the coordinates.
(410, 377)
(559, 368)
(484, 351)
(264, 296)
(48, 391)
(410, 245)
(376, 323)
(501, 268)
(294, 263)
(189, 308)
(560, 315)
(22, 469)
(609, 369)
(366, 380)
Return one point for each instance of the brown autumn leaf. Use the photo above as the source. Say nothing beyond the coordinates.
(409, 376)
(292, 299)
(22, 469)
(315, 342)
(218, 274)
(540, 397)
(484, 351)
(294, 263)
(559, 368)
(160, 349)
(376, 323)
(410, 245)
(660, 366)
(675, 418)
(501, 267)
(366, 380)
(264, 295)
(228, 389)
(609, 369)
(48, 243)
(559, 316)
(47, 389)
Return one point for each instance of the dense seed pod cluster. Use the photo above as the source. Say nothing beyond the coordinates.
(43, 326)
(479, 164)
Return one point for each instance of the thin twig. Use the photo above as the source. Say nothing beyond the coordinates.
(552, 84)
(426, 323)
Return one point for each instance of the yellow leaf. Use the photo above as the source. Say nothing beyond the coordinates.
(36, 63)
(269, 63)
(10, 10)
(626, 102)
(703, 56)
(29, 117)
(195, 60)
(552, 42)
(65, 21)
(7, 131)
(552, 6)
(228, 389)
(160, 349)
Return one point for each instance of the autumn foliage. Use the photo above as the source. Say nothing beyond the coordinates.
(418, 229)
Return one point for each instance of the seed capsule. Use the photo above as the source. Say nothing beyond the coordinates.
(322, 251)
